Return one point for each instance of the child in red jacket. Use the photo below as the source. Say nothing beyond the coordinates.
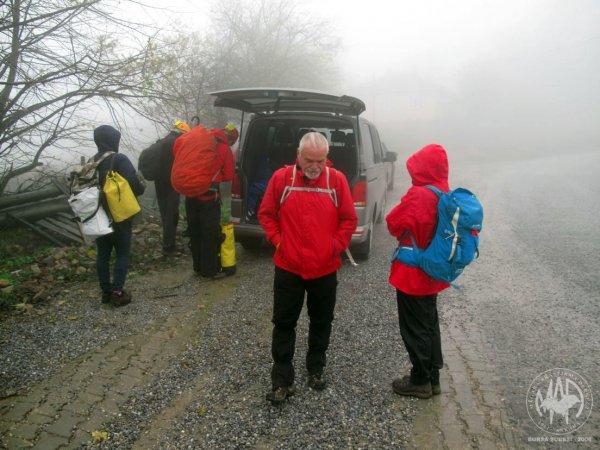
(416, 292)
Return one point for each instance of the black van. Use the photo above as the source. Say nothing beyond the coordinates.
(273, 121)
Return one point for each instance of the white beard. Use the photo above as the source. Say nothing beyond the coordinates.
(311, 174)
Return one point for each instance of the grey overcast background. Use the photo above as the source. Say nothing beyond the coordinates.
(486, 78)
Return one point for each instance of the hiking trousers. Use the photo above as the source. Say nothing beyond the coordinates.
(420, 331)
(204, 217)
(120, 240)
(168, 206)
(289, 292)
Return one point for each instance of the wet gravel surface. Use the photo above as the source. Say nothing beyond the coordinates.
(34, 345)
(211, 395)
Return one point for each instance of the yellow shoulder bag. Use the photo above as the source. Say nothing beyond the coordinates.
(121, 200)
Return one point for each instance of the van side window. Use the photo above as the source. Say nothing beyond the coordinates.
(367, 144)
(377, 151)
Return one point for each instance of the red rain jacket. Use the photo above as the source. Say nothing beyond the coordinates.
(417, 214)
(307, 229)
(223, 164)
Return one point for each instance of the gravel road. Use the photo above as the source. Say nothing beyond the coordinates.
(186, 365)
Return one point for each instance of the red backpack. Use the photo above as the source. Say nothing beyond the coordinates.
(193, 168)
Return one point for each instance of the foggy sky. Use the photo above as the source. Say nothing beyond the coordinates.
(485, 77)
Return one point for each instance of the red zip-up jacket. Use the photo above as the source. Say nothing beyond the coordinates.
(417, 214)
(308, 230)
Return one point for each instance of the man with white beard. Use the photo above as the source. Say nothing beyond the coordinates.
(308, 215)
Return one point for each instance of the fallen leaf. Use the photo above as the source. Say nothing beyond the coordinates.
(73, 317)
(202, 411)
(99, 436)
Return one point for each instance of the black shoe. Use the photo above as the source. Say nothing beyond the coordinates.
(106, 297)
(218, 276)
(279, 395)
(171, 252)
(229, 270)
(436, 389)
(316, 381)
(403, 386)
(120, 298)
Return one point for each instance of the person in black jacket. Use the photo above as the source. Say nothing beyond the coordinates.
(166, 196)
(107, 139)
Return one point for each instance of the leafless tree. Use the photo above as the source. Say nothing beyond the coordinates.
(59, 60)
(249, 43)
(63, 61)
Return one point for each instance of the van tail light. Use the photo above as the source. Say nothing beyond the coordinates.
(236, 190)
(359, 193)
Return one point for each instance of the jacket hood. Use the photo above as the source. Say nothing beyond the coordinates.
(220, 135)
(107, 138)
(429, 166)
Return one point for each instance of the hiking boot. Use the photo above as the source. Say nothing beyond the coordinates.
(171, 252)
(120, 298)
(403, 386)
(279, 395)
(436, 389)
(229, 271)
(316, 381)
(106, 295)
(218, 275)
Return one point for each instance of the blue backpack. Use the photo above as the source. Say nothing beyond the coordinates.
(456, 239)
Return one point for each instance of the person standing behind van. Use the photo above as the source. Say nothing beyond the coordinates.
(416, 292)
(204, 212)
(166, 197)
(308, 215)
(107, 139)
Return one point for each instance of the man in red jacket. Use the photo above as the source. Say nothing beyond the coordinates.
(416, 292)
(308, 215)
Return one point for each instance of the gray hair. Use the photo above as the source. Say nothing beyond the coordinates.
(313, 139)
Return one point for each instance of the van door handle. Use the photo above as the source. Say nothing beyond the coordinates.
(372, 179)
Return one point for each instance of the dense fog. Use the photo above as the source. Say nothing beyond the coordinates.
(488, 79)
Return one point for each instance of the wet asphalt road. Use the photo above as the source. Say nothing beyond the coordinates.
(535, 291)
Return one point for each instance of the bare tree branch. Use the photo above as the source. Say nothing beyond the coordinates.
(57, 57)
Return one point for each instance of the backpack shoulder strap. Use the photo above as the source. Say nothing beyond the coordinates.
(286, 189)
(435, 190)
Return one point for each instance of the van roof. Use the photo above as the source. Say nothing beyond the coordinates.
(265, 100)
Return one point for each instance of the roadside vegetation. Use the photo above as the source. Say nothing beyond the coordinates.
(33, 272)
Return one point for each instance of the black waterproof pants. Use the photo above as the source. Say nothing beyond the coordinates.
(204, 217)
(289, 291)
(168, 205)
(420, 331)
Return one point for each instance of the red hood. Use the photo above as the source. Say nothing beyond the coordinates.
(429, 166)
(220, 135)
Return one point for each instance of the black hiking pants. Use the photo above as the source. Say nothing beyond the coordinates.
(289, 291)
(168, 206)
(204, 218)
(420, 331)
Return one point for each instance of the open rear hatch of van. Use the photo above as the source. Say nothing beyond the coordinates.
(266, 100)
